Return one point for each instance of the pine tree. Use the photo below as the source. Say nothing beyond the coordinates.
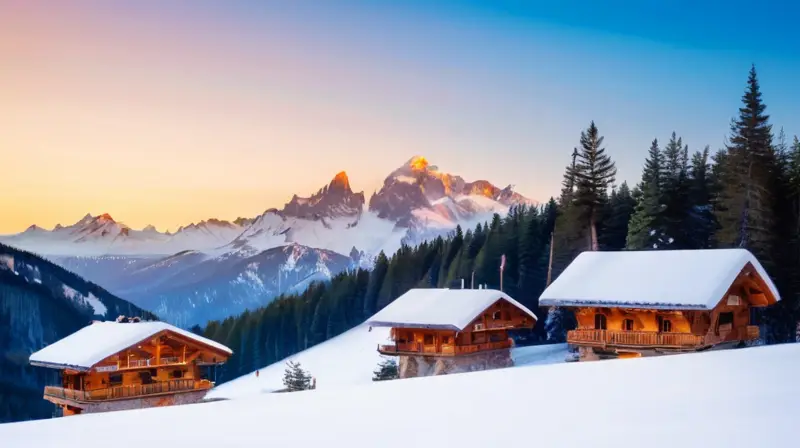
(746, 212)
(593, 174)
(375, 281)
(295, 378)
(782, 318)
(387, 370)
(701, 220)
(615, 226)
(646, 229)
(675, 207)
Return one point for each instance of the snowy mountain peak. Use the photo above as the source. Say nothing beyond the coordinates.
(150, 228)
(418, 163)
(207, 224)
(83, 221)
(243, 222)
(419, 195)
(340, 181)
(33, 229)
(334, 200)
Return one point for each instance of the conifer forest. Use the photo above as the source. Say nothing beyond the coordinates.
(741, 192)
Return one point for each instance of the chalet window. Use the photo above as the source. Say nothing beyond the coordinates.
(428, 339)
(665, 326)
(496, 315)
(627, 324)
(177, 374)
(599, 322)
(445, 339)
(115, 380)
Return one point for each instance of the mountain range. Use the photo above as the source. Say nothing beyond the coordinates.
(215, 268)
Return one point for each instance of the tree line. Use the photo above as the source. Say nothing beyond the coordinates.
(745, 194)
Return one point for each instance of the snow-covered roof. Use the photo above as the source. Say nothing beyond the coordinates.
(89, 345)
(666, 279)
(445, 309)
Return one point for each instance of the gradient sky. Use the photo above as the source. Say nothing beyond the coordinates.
(166, 114)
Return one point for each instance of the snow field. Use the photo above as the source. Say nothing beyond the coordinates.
(732, 398)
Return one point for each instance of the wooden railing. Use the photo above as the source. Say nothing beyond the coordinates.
(446, 349)
(656, 339)
(633, 338)
(139, 363)
(118, 392)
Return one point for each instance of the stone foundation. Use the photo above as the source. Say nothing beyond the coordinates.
(417, 366)
(596, 354)
(136, 403)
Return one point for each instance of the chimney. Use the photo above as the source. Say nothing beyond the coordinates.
(462, 283)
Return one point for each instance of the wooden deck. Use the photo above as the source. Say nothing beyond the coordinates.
(125, 392)
(415, 348)
(648, 339)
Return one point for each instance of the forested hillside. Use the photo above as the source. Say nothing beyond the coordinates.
(41, 303)
(746, 194)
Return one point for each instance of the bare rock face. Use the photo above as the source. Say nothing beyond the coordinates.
(331, 201)
(418, 366)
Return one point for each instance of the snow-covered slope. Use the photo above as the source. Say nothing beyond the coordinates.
(734, 398)
(349, 360)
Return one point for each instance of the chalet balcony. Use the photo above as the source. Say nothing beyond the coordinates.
(416, 348)
(619, 338)
(123, 392)
(141, 364)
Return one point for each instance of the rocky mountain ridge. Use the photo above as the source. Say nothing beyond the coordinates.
(212, 268)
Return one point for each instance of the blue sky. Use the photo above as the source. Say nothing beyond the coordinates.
(244, 103)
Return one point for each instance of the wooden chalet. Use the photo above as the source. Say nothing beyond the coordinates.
(630, 304)
(450, 323)
(128, 364)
